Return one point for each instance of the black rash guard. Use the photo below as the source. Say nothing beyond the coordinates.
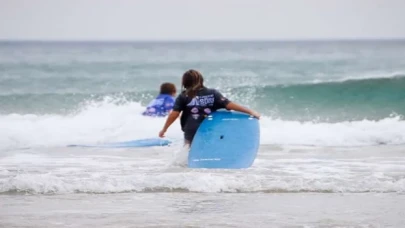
(195, 110)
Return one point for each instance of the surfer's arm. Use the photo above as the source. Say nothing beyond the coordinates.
(239, 108)
(170, 119)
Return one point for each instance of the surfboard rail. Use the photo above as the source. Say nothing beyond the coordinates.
(149, 142)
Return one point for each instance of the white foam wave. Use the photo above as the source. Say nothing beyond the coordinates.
(360, 76)
(65, 171)
(350, 133)
(194, 182)
(109, 122)
(101, 122)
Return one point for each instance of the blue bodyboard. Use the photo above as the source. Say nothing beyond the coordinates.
(225, 140)
(133, 143)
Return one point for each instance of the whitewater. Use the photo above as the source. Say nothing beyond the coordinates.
(106, 121)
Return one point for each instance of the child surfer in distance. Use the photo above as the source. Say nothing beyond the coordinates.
(195, 102)
(163, 103)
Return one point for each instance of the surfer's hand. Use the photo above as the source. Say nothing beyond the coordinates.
(162, 133)
(255, 114)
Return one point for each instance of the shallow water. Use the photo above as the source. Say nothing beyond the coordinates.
(204, 210)
(276, 169)
(288, 186)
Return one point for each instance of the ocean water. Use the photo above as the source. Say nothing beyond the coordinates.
(332, 135)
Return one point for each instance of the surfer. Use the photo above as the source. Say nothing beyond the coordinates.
(163, 103)
(195, 102)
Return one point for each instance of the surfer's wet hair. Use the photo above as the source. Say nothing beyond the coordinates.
(192, 81)
(167, 88)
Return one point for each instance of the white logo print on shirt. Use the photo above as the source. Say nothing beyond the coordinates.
(202, 100)
(194, 102)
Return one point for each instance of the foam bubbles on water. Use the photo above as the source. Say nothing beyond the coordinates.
(110, 122)
(196, 182)
(96, 123)
(349, 133)
(180, 157)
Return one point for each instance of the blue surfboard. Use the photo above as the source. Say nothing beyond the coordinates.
(133, 143)
(225, 140)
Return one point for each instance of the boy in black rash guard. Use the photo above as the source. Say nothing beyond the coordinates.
(196, 102)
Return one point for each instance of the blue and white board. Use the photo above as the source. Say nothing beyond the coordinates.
(134, 143)
(225, 140)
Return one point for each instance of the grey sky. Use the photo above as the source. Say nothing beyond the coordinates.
(200, 19)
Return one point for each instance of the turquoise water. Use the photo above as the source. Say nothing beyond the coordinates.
(348, 100)
(328, 81)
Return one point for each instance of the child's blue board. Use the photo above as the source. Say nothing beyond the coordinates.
(225, 140)
(134, 143)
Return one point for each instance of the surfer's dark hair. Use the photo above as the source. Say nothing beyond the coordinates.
(167, 88)
(192, 81)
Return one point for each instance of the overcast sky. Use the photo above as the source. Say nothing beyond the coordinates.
(200, 19)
